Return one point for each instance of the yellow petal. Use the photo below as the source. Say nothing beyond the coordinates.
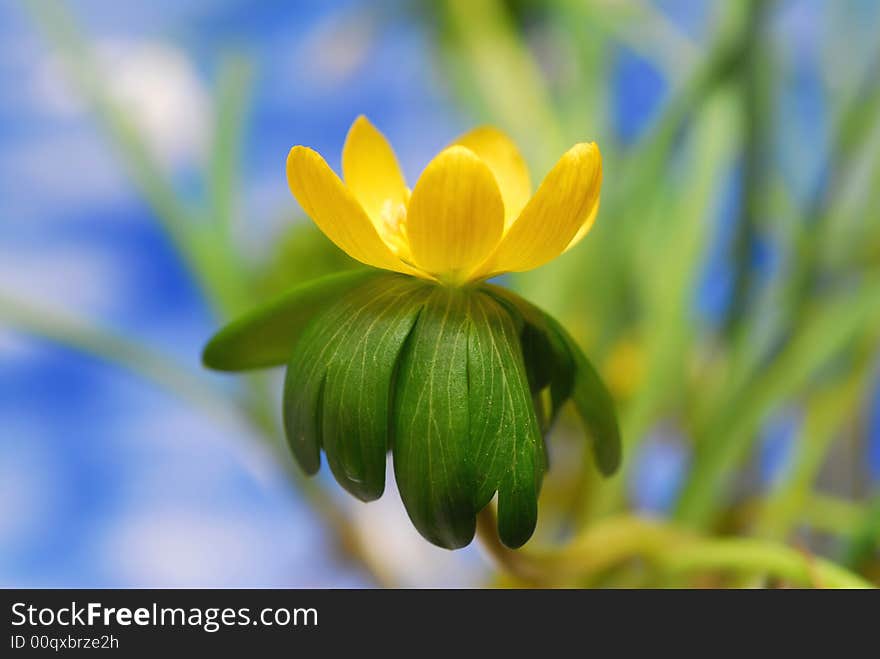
(563, 204)
(585, 229)
(337, 213)
(455, 216)
(370, 169)
(507, 164)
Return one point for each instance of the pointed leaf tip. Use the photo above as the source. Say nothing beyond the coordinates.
(553, 355)
(338, 382)
(266, 336)
(506, 440)
(433, 465)
(594, 405)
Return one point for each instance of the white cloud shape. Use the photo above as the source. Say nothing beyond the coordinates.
(158, 88)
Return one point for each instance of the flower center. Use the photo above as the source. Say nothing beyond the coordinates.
(393, 228)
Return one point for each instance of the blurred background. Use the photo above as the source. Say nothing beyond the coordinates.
(729, 294)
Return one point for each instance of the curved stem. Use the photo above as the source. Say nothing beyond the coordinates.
(754, 556)
(517, 563)
(666, 548)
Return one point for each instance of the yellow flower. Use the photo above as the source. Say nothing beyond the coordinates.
(471, 214)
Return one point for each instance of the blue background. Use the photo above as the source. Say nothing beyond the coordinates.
(105, 480)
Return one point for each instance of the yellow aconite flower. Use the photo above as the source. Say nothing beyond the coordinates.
(471, 214)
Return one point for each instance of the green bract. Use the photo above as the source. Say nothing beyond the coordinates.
(450, 380)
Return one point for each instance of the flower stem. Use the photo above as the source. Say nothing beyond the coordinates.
(666, 549)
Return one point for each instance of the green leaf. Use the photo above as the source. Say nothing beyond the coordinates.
(547, 356)
(446, 368)
(594, 404)
(265, 337)
(547, 359)
(338, 381)
(464, 425)
(505, 438)
(357, 389)
(432, 461)
(551, 354)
